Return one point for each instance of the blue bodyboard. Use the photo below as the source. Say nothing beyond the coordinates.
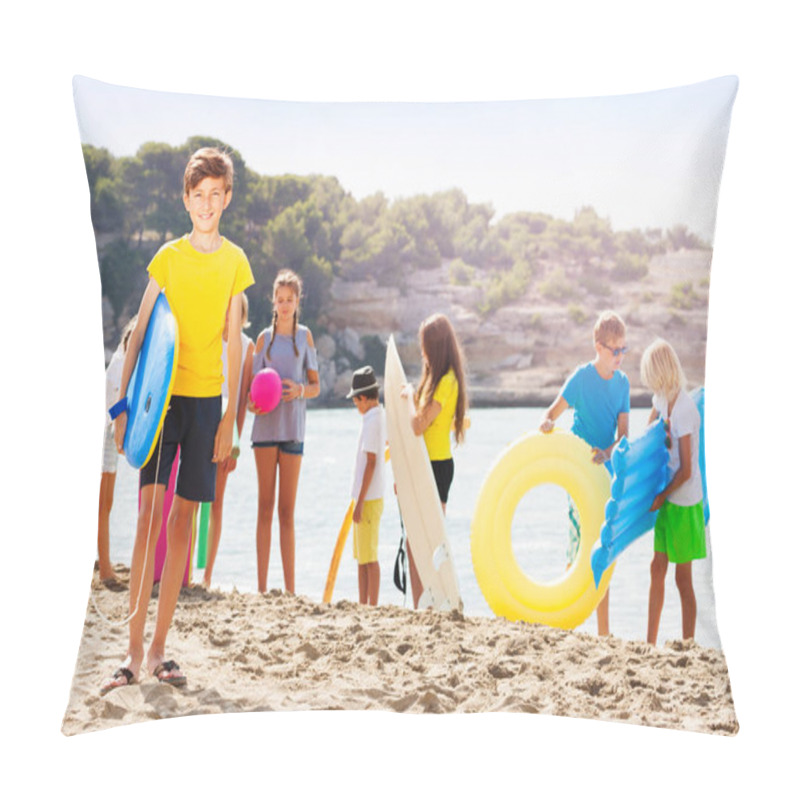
(150, 386)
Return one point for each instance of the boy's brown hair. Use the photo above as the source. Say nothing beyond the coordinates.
(208, 162)
(609, 326)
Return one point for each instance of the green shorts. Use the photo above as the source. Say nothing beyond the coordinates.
(365, 533)
(680, 532)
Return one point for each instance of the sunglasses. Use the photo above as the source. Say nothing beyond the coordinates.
(616, 351)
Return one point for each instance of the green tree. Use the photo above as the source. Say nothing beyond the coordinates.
(106, 205)
(123, 273)
(680, 237)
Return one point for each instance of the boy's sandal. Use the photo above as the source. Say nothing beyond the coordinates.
(172, 680)
(122, 672)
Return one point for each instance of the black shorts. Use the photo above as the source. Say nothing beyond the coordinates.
(191, 424)
(443, 472)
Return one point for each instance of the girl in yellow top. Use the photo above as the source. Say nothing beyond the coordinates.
(440, 405)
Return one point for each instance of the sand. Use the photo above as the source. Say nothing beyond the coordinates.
(278, 652)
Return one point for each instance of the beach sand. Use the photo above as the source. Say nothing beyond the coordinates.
(277, 652)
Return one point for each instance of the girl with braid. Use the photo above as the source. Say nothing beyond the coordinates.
(288, 348)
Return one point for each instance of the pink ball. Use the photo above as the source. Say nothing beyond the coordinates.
(266, 390)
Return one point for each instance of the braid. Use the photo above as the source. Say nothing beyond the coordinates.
(272, 338)
(294, 334)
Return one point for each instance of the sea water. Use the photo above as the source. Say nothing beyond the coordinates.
(539, 531)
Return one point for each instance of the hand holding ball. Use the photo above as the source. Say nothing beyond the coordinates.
(265, 391)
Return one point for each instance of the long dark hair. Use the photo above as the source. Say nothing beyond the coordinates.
(442, 351)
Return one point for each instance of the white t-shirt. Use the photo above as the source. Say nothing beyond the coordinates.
(246, 342)
(371, 440)
(114, 379)
(684, 421)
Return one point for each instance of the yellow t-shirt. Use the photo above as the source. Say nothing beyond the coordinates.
(199, 287)
(437, 436)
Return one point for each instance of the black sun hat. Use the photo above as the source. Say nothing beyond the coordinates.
(363, 380)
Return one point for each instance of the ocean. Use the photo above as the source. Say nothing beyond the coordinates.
(539, 532)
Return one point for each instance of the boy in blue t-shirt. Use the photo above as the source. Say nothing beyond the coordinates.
(599, 393)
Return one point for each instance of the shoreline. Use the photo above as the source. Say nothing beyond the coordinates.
(481, 397)
(277, 652)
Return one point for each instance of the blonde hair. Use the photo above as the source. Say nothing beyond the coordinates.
(291, 279)
(609, 325)
(439, 343)
(661, 369)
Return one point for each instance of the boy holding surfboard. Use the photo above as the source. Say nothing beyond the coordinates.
(201, 274)
(368, 483)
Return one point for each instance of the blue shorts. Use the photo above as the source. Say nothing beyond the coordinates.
(291, 448)
(191, 424)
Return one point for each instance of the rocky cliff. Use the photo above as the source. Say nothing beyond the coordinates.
(521, 353)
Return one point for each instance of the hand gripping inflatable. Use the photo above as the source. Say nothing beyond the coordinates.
(565, 460)
(640, 473)
(265, 390)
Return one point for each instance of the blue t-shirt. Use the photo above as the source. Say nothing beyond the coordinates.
(597, 403)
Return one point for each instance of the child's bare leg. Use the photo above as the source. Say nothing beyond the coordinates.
(362, 583)
(215, 525)
(416, 582)
(289, 465)
(107, 481)
(602, 616)
(266, 467)
(658, 574)
(148, 527)
(179, 536)
(373, 582)
(683, 579)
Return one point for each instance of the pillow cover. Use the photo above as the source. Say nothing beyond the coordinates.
(522, 223)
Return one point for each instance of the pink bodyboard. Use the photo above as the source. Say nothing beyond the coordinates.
(161, 545)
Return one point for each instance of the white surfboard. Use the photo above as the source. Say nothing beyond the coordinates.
(417, 495)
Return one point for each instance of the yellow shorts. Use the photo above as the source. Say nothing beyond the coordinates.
(365, 533)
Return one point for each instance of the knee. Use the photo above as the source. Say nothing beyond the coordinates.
(286, 516)
(180, 523)
(149, 526)
(265, 514)
(658, 569)
(683, 580)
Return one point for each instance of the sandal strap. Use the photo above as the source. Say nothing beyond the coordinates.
(166, 666)
(124, 672)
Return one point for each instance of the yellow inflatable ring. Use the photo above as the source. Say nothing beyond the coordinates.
(565, 460)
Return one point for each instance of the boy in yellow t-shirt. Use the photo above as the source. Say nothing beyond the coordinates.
(200, 273)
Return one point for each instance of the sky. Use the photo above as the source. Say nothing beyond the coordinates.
(642, 160)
